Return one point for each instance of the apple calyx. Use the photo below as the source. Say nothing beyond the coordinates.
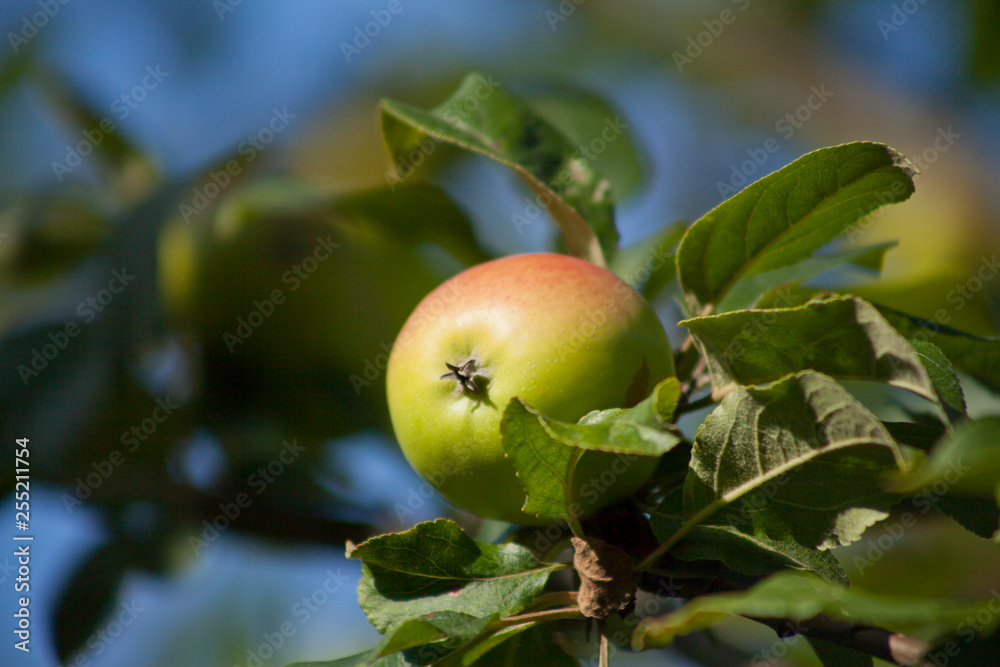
(472, 382)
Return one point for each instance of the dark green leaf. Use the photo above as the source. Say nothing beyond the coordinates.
(921, 436)
(584, 117)
(528, 646)
(799, 596)
(788, 215)
(844, 337)
(985, 63)
(545, 451)
(977, 356)
(946, 384)
(967, 459)
(431, 628)
(804, 455)
(977, 514)
(435, 567)
(365, 659)
(482, 118)
(755, 555)
(746, 292)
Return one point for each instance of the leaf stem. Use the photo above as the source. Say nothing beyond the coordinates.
(546, 616)
(690, 524)
(556, 599)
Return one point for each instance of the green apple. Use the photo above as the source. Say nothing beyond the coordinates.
(560, 333)
(291, 290)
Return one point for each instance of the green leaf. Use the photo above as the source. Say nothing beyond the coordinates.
(649, 265)
(432, 628)
(531, 645)
(402, 211)
(976, 355)
(921, 436)
(583, 117)
(967, 459)
(805, 455)
(755, 555)
(368, 658)
(481, 118)
(44, 237)
(545, 451)
(435, 567)
(844, 337)
(946, 383)
(746, 292)
(799, 596)
(786, 216)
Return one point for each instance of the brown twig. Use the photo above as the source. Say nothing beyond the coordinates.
(878, 642)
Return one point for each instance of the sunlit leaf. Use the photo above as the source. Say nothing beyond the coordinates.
(804, 456)
(843, 337)
(435, 567)
(786, 216)
(545, 452)
(482, 116)
(799, 596)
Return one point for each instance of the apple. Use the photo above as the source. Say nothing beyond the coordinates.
(560, 333)
(291, 290)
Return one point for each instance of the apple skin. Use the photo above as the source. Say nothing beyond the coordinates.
(342, 313)
(560, 333)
